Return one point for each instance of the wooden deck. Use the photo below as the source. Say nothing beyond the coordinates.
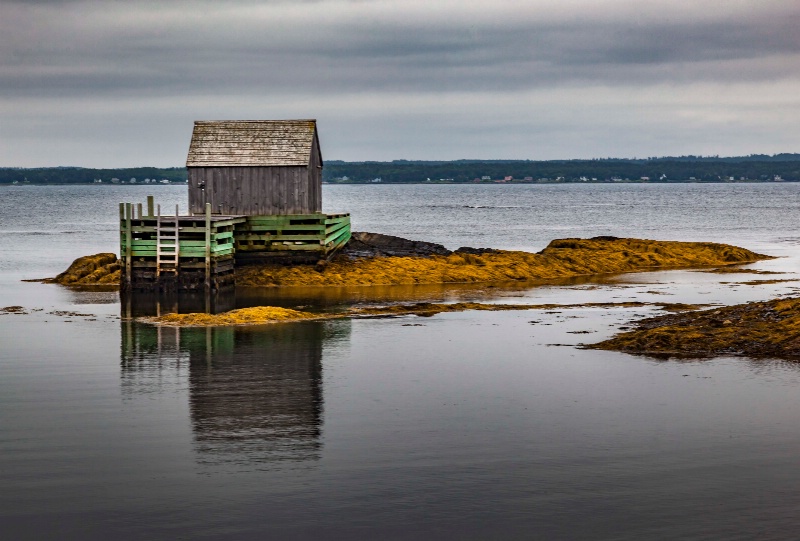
(291, 237)
(188, 252)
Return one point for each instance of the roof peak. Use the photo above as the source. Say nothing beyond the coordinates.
(255, 121)
(227, 143)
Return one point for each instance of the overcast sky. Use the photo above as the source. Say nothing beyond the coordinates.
(117, 84)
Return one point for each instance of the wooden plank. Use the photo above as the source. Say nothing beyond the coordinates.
(281, 238)
(188, 253)
(208, 246)
(282, 248)
(311, 229)
(336, 236)
(184, 229)
(336, 218)
(285, 223)
(336, 227)
(170, 243)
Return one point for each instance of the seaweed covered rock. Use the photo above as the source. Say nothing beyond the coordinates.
(757, 329)
(97, 269)
(373, 259)
(563, 258)
(243, 316)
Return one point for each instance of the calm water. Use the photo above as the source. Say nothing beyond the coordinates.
(488, 425)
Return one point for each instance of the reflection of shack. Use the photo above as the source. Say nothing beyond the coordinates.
(260, 400)
(255, 393)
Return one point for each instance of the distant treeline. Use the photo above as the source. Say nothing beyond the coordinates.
(82, 175)
(668, 169)
(761, 168)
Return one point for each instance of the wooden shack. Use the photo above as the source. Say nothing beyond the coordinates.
(255, 195)
(255, 167)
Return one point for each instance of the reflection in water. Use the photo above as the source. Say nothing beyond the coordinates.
(332, 297)
(255, 393)
(156, 303)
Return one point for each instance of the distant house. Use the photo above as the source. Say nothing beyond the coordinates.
(528, 179)
(508, 178)
(255, 167)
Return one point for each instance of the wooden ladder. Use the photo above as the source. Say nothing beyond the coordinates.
(167, 243)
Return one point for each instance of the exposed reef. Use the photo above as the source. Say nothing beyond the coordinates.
(562, 258)
(268, 314)
(374, 259)
(97, 269)
(243, 316)
(431, 308)
(757, 329)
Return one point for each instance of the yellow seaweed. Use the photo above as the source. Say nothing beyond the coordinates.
(770, 328)
(94, 269)
(561, 259)
(269, 314)
(244, 316)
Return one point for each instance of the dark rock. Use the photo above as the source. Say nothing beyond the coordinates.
(363, 244)
(475, 251)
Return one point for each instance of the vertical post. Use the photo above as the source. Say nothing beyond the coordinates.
(208, 246)
(158, 245)
(149, 205)
(128, 244)
(177, 242)
(122, 233)
(139, 210)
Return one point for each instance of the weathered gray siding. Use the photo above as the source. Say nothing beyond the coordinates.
(315, 175)
(255, 190)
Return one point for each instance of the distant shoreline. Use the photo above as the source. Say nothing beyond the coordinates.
(681, 169)
(482, 183)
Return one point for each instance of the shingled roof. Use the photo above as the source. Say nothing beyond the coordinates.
(222, 143)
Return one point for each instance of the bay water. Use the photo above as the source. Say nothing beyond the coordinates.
(472, 425)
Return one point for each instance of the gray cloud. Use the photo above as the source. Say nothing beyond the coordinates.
(190, 59)
(164, 52)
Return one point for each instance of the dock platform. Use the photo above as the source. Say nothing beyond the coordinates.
(201, 251)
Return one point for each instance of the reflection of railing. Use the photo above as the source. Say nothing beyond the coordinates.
(152, 361)
(255, 393)
(156, 303)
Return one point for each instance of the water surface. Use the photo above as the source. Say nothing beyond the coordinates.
(467, 425)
